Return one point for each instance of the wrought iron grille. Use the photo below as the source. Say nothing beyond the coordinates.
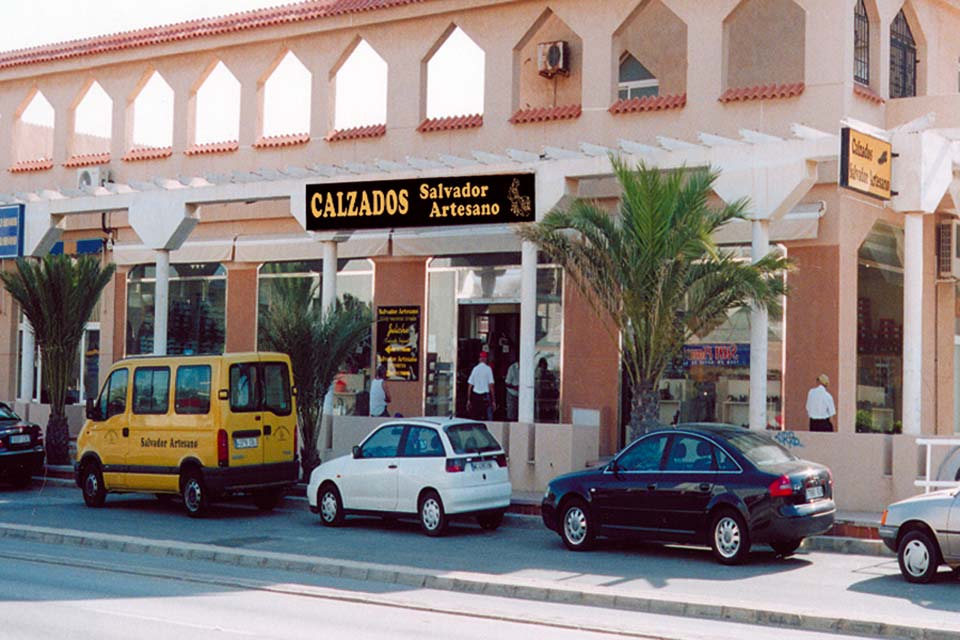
(903, 59)
(861, 44)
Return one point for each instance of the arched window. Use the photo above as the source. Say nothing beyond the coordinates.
(861, 44)
(635, 80)
(903, 59)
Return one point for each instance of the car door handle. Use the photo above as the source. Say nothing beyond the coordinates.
(652, 486)
(267, 429)
(126, 432)
(705, 486)
(391, 466)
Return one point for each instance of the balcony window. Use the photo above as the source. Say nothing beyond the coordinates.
(635, 81)
(861, 44)
(903, 59)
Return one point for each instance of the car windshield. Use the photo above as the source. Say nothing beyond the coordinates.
(6, 413)
(471, 438)
(759, 449)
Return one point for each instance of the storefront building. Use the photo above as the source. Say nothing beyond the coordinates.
(757, 89)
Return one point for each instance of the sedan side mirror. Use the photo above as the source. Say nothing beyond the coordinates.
(613, 466)
(356, 452)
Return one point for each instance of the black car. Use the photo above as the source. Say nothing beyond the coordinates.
(718, 485)
(21, 448)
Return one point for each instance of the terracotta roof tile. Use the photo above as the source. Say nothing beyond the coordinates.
(451, 123)
(371, 131)
(763, 92)
(212, 147)
(543, 114)
(86, 160)
(867, 93)
(649, 103)
(259, 18)
(27, 166)
(287, 140)
(147, 153)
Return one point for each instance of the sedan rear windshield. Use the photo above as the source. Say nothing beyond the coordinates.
(759, 449)
(471, 438)
(6, 413)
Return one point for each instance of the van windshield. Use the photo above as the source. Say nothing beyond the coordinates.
(471, 438)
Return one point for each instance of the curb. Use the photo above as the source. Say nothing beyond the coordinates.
(475, 583)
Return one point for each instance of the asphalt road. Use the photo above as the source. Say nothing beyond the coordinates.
(814, 583)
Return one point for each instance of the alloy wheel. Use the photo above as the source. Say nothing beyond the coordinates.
(727, 536)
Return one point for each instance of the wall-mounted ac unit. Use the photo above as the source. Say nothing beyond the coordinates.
(948, 251)
(553, 58)
(92, 177)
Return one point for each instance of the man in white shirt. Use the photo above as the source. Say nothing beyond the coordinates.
(820, 406)
(481, 403)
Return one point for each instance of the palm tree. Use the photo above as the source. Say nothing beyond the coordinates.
(318, 344)
(57, 295)
(654, 270)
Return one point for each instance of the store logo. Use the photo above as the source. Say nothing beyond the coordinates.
(519, 203)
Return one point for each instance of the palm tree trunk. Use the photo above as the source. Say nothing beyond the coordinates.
(644, 409)
(58, 440)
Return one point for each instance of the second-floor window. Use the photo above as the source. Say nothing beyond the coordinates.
(861, 44)
(903, 59)
(635, 80)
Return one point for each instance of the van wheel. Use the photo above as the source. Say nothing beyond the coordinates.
(194, 494)
(91, 482)
(267, 499)
(433, 519)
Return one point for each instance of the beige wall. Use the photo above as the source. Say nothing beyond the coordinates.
(764, 44)
(656, 37)
(242, 308)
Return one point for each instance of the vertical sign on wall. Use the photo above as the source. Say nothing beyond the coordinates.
(398, 341)
(11, 231)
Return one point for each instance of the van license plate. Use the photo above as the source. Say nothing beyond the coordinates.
(482, 465)
(814, 492)
(20, 439)
(245, 443)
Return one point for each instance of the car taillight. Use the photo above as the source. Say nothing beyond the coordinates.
(781, 487)
(456, 465)
(501, 460)
(223, 451)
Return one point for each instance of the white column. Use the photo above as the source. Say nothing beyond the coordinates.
(759, 327)
(528, 330)
(328, 297)
(161, 303)
(26, 362)
(912, 321)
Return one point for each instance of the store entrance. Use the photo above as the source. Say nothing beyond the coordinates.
(494, 328)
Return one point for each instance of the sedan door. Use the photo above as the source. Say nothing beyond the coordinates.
(952, 533)
(422, 464)
(369, 481)
(686, 486)
(623, 494)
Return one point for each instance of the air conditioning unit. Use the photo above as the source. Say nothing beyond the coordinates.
(553, 58)
(92, 177)
(948, 251)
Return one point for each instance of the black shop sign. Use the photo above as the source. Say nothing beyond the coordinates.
(421, 202)
(398, 341)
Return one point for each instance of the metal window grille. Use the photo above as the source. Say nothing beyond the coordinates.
(903, 59)
(861, 45)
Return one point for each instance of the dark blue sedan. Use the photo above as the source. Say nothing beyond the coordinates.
(717, 485)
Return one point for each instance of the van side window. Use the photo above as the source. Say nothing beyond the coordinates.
(276, 388)
(192, 394)
(151, 390)
(113, 397)
(243, 387)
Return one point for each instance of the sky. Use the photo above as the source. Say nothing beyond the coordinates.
(27, 24)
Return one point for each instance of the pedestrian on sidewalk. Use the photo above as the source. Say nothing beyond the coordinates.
(820, 407)
(379, 395)
(481, 403)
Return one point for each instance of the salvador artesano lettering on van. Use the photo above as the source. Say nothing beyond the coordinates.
(164, 443)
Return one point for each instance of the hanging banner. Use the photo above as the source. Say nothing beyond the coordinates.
(420, 202)
(11, 231)
(398, 341)
(865, 163)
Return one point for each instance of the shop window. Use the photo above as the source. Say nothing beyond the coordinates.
(861, 44)
(85, 376)
(763, 44)
(652, 43)
(217, 106)
(195, 318)
(286, 98)
(34, 130)
(92, 122)
(635, 80)
(880, 331)
(455, 72)
(903, 59)
(152, 114)
(360, 87)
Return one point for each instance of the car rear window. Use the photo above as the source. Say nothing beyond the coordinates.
(6, 413)
(759, 449)
(471, 438)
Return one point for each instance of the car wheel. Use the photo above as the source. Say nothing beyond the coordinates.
(918, 556)
(194, 494)
(577, 528)
(331, 506)
(729, 538)
(490, 521)
(433, 520)
(267, 499)
(91, 482)
(786, 548)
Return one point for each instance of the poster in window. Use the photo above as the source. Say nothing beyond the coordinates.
(398, 341)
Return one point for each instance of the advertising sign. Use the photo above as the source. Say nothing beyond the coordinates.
(398, 341)
(11, 231)
(727, 356)
(421, 202)
(865, 163)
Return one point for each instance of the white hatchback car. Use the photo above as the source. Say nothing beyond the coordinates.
(435, 468)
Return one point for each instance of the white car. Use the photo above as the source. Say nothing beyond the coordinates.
(434, 468)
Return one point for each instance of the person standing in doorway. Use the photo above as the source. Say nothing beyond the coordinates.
(512, 383)
(820, 406)
(481, 403)
(379, 396)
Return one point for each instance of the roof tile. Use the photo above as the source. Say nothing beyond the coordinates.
(86, 160)
(867, 93)
(212, 147)
(451, 123)
(147, 153)
(27, 166)
(763, 92)
(286, 140)
(649, 103)
(371, 131)
(544, 114)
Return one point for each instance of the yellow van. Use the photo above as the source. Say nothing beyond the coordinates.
(196, 426)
